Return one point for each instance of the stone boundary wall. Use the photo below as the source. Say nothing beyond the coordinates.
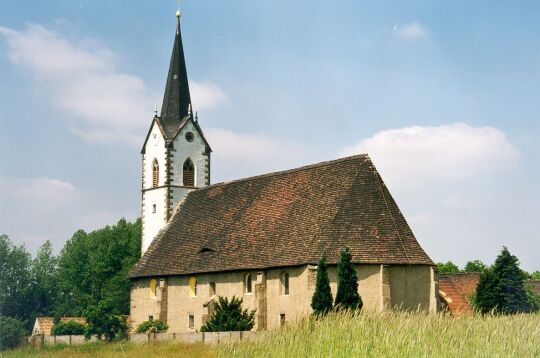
(197, 337)
(41, 340)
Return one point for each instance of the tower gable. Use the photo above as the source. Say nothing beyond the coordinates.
(189, 143)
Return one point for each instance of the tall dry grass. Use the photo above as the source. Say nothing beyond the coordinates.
(118, 349)
(399, 334)
(387, 334)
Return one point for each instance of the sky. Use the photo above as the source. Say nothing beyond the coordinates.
(444, 96)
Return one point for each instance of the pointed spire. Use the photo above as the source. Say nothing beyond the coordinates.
(177, 99)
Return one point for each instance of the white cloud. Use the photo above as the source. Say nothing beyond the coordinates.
(206, 95)
(412, 31)
(447, 152)
(35, 209)
(101, 103)
(53, 191)
(238, 155)
(460, 187)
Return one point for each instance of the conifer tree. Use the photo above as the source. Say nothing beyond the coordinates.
(347, 296)
(500, 288)
(229, 316)
(321, 302)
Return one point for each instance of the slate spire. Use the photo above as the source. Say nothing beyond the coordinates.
(176, 100)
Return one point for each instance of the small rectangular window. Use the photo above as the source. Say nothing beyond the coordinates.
(154, 208)
(282, 319)
(150, 318)
(191, 321)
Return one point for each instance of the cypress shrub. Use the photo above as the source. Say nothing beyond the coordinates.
(321, 302)
(347, 296)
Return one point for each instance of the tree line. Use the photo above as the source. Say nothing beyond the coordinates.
(89, 275)
(479, 266)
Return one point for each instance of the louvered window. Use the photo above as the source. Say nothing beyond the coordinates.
(189, 173)
(155, 173)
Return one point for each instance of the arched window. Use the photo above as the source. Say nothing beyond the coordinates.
(189, 173)
(153, 286)
(248, 282)
(155, 173)
(285, 283)
(192, 287)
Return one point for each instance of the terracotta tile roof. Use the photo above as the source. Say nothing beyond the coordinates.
(80, 320)
(285, 219)
(456, 289)
(45, 324)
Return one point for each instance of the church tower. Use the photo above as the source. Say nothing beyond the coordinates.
(175, 154)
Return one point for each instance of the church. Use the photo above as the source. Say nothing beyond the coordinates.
(260, 238)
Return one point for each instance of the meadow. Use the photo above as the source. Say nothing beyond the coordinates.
(392, 334)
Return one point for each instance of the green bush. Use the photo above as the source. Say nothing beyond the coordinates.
(321, 302)
(152, 326)
(11, 332)
(68, 328)
(229, 316)
(105, 323)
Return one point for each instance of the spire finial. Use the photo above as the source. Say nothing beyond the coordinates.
(196, 116)
(155, 109)
(178, 14)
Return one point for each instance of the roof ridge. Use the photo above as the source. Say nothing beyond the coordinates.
(287, 171)
(381, 183)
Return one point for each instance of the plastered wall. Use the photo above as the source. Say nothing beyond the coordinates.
(159, 203)
(409, 287)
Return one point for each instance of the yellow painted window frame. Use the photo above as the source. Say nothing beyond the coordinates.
(192, 283)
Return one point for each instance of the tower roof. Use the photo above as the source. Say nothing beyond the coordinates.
(176, 100)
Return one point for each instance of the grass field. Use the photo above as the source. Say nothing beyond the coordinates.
(390, 334)
(393, 334)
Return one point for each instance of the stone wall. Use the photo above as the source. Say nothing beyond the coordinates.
(380, 286)
(40, 340)
(197, 337)
(411, 287)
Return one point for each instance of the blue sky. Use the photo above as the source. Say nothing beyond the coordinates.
(444, 96)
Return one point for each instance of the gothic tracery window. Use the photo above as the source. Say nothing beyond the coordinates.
(188, 173)
(248, 284)
(155, 173)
